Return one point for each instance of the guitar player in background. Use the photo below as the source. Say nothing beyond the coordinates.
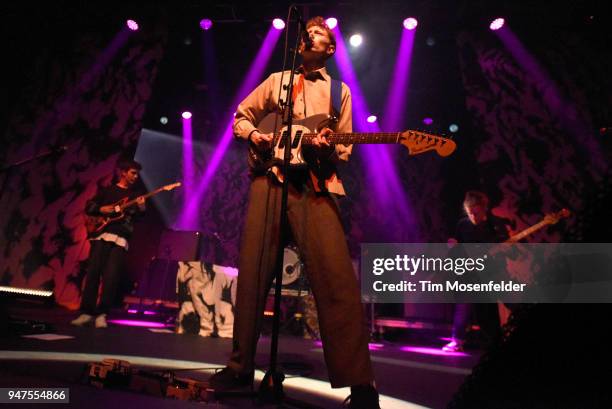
(479, 226)
(315, 225)
(482, 226)
(109, 244)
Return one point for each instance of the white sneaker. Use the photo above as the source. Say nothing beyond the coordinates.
(101, 321)
(455, 345)
(81, 320)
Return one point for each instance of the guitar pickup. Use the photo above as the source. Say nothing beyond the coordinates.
(281, 143)
(296, 139)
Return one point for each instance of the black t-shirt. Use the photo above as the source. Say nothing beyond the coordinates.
(123, 227)
(492, 230)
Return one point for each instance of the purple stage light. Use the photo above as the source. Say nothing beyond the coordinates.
(387, 185)
(135, 323)
(497, 23)
(371, 119)
(410, 23)
(206, 24)
(132, 25)
(186, 115)
(431, 351)
(278, 23)
(254, 75)
(427, 121)
(331, 22)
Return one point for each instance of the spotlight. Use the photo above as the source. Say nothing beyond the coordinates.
(278, 23)
(186, 115)
(206, 24)
(356, 40)
(497, 24)
(453, 128)
(132, 25)
(163, 120)
(331, 22)
(427, 121)
(371, 119)
(410, 23)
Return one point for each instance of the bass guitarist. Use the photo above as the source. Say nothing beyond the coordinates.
(109, 245)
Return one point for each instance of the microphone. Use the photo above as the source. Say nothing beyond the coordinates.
(303, 33)
(605, 130)
(305, 36)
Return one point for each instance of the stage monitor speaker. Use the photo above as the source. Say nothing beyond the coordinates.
(179, 245)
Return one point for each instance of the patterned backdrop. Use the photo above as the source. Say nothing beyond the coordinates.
(89, 97)
(528, 157)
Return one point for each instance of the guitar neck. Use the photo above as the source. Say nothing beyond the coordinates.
(348, 138)
(527, 232)
(145, 196)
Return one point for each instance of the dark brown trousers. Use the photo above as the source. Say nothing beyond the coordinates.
(315, 224)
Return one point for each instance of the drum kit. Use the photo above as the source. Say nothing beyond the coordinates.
(303, 320)
(294, 275)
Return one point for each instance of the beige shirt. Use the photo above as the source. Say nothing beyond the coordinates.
(313, 98)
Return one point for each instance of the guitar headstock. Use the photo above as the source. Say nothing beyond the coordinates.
(418, 142)
(553, 218)
(172, 186)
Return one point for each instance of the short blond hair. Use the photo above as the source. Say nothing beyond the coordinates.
(474, 198)
(320, 22)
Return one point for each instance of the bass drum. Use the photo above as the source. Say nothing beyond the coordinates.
(292, 266)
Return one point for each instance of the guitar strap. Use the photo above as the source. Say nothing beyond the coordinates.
(336, 97)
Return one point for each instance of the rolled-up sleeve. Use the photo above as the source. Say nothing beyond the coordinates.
(253, 109)
(345, 124)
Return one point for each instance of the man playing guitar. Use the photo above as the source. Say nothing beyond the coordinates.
(109, 244)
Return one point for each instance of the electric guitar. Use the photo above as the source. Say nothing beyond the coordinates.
(548, 220)
(95, 224)
(304, 130)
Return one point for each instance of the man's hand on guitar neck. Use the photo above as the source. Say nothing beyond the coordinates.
(140, 201)
(322, 144)
(109, 209)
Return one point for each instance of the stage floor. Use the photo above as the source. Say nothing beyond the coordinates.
(407, 376)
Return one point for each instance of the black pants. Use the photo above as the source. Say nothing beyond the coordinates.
(315, 224)
(486, 314)
(106, 260)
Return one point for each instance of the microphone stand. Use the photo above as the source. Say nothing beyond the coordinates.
(8, 168)
(271, 387)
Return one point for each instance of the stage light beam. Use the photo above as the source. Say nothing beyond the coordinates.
(356, 40)
(132, 25)
(331, 22)
(497, 23)
(410, 23)
(206, 24)
(278, 23)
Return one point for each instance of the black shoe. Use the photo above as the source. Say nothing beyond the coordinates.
(227, 379)
(362, 397)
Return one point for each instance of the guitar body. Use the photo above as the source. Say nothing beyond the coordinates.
(261, 161)
(95, 224)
